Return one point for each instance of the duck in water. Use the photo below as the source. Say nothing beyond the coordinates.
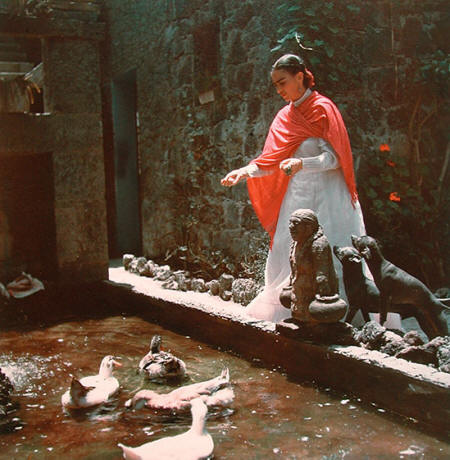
(158, 364)
(94, 389)
(216, 392)
(194, 444)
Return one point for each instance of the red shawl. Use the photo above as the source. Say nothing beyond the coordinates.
(317, 116)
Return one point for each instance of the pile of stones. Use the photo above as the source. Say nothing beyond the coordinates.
(409, 346)
(240, 290)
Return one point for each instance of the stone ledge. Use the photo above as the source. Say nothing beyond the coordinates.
(409, 389)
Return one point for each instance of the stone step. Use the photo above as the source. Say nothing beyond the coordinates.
(10, 66)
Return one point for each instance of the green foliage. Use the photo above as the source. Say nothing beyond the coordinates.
(436, 72)
(406, 212)
(318, 28)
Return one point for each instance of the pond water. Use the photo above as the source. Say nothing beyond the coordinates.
(272, 417)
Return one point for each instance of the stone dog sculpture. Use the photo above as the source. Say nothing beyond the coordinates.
(312, 293)
(362, 292)
(401, 292)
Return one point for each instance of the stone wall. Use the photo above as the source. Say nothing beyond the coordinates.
(59, 232)
(182, 49)
(185, 146)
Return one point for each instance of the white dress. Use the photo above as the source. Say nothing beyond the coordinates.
(319, 186)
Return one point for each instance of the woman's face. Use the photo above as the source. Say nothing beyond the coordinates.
(289, 87)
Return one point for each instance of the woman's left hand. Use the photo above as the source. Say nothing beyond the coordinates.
(291, 166)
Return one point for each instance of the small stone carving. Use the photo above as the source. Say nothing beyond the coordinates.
(137, 265)
(182, 278)
(149, 269)
(401, 292)
(170, 283)
(198, 285)
(163, 273)
(362, 293)
(126, 260)
(244, 290)
(213, 287)
(225, 285)
(312, 293)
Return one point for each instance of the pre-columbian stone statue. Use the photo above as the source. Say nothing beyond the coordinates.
(312, 293)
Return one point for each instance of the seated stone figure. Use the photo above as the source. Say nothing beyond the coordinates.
(312, 293)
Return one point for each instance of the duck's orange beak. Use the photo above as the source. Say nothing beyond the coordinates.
(117, 364)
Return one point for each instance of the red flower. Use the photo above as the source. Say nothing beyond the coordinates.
(394, 196)
(390, 163)
(385, 148)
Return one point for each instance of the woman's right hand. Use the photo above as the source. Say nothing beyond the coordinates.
(234, 177)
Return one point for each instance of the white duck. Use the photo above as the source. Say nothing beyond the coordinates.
(217, 392)
(194, 444)
(158, 364)
(94, 389)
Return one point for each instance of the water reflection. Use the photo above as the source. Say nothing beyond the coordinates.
(271, 417)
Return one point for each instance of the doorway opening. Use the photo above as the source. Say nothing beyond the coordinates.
(126, 237)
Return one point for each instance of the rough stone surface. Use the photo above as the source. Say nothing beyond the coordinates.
(68, 91)
(126, 260)
(244, 290)
(199, 285)
(149, 269)
(436, 352)
(413, 338)
(392, 343)
(419, 354)
(225, 282)
(7, 405)
(163, 273)
(183, 280)
(371, 335)
(213, 287)
(443, 355)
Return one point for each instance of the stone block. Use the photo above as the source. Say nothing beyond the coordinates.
(76, 272)
(81, 232)
(79, 176)
(72, 76)
(76, 132)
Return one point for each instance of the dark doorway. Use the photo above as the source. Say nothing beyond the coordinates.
(127, 223)
(27, 216)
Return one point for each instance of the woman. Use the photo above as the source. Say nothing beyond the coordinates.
(306, 163)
